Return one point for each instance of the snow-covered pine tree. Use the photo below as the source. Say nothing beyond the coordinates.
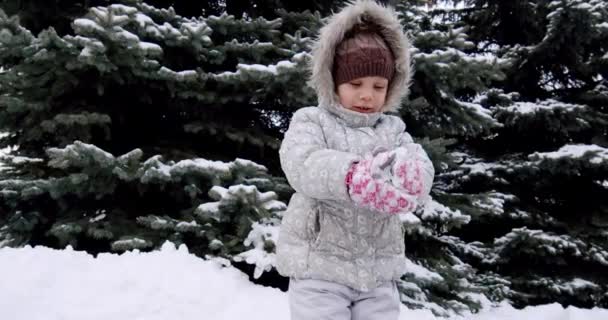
(131, 130)
(37, 15)
(533, 174)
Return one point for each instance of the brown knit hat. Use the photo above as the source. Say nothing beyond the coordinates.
(362, 53)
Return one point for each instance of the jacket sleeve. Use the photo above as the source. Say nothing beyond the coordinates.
(309, 165)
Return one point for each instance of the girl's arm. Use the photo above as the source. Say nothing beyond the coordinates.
(309, 165)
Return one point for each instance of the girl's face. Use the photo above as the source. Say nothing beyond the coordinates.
(365, 95)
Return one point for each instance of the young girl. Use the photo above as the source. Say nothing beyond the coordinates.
(354, 169)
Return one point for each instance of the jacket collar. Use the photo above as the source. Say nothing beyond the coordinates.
(352, 118)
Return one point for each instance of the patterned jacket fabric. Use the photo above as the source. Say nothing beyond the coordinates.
(324, 235)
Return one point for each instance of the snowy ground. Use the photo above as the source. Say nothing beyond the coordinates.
(41, 283)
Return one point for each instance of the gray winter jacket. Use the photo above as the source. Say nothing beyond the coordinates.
(324, 235)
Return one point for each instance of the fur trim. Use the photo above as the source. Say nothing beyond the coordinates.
(333, 32)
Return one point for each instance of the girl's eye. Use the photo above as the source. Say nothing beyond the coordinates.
(356, 84)
(379, 88)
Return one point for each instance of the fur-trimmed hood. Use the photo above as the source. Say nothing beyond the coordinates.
(333, 32)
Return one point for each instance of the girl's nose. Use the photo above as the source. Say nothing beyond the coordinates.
(365, 96)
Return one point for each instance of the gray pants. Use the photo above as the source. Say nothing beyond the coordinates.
(311, 299)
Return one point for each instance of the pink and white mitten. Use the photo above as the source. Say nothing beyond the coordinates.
(413, 171)
(372, 191)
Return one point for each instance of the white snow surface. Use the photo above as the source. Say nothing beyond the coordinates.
(576, 151)
(546, 105)
(42, 283)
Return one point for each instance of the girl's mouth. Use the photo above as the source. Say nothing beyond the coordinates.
(363, 109)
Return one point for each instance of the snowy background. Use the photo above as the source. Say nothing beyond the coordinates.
(522, 160)
(42, 283)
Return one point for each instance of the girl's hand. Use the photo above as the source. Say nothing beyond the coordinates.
(374, 192)
(407, 175)
(412, 171)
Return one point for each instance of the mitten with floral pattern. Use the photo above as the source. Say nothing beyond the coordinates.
(412, 171)
(367, 188)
